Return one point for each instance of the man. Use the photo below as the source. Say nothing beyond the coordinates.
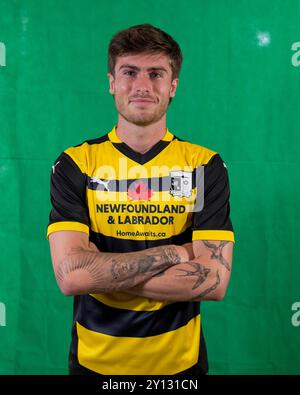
(132, 236)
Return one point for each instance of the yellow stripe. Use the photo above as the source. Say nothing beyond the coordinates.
(113, 224)
(213, 235)
(181, 150)
(122, 300)
(114, 138)
(168, 353)
(123, 167)
(168, 136)
(129, 232)
(78, 155)
(67, 225)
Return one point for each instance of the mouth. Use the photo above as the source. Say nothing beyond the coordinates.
(142, 101)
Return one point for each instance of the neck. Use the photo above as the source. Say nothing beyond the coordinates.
(141, 138)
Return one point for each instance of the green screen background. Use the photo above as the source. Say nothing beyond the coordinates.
(238, 94)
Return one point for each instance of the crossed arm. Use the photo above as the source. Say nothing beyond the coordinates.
(191, 272)
(205, 277)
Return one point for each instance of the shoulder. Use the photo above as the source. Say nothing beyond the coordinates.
(81, 154)
(201, 155)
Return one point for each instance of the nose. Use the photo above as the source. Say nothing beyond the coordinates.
(142, 83)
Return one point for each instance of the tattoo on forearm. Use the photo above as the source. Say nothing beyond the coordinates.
(217, 252)
(169, 253)
(201, 272)
(208, 290)
(79, 258)
(126, 270)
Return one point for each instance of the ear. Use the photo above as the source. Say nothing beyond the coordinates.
(111, 83)
(173, 88)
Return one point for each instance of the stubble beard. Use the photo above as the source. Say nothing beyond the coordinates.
(140, 117)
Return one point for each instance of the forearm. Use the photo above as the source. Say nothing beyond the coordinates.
(195, 280)
(85, 271)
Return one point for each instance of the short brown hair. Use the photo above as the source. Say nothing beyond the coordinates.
(144, 39)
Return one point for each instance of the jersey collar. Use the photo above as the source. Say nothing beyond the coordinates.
(114, 138)
(136, 156)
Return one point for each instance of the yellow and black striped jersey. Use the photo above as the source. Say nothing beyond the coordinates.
(126, 201)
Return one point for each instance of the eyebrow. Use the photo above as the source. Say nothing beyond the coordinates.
(131, 66)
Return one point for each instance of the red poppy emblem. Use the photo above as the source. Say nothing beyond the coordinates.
(139, 191)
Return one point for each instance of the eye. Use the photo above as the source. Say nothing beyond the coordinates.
(129, 72)
(155, 75)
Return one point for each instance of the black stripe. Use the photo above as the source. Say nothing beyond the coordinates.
(73, 357)
(98, 317)
(181, 140)
(68, 190)
(98, 140)
(156, 184)
(76, 369)
(202, 359)
(138, 157)
(114, 244)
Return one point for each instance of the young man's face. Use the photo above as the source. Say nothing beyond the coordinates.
(142, 87)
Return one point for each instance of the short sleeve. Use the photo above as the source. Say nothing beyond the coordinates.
(68, 197)
(213, 221)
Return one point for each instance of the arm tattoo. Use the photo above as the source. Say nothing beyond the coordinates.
(208, 290)
(201, 272)
(79, 258)
(128, 267)
(118, 271)
(217, 252)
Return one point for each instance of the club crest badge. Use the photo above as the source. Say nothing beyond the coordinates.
(181, 183)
